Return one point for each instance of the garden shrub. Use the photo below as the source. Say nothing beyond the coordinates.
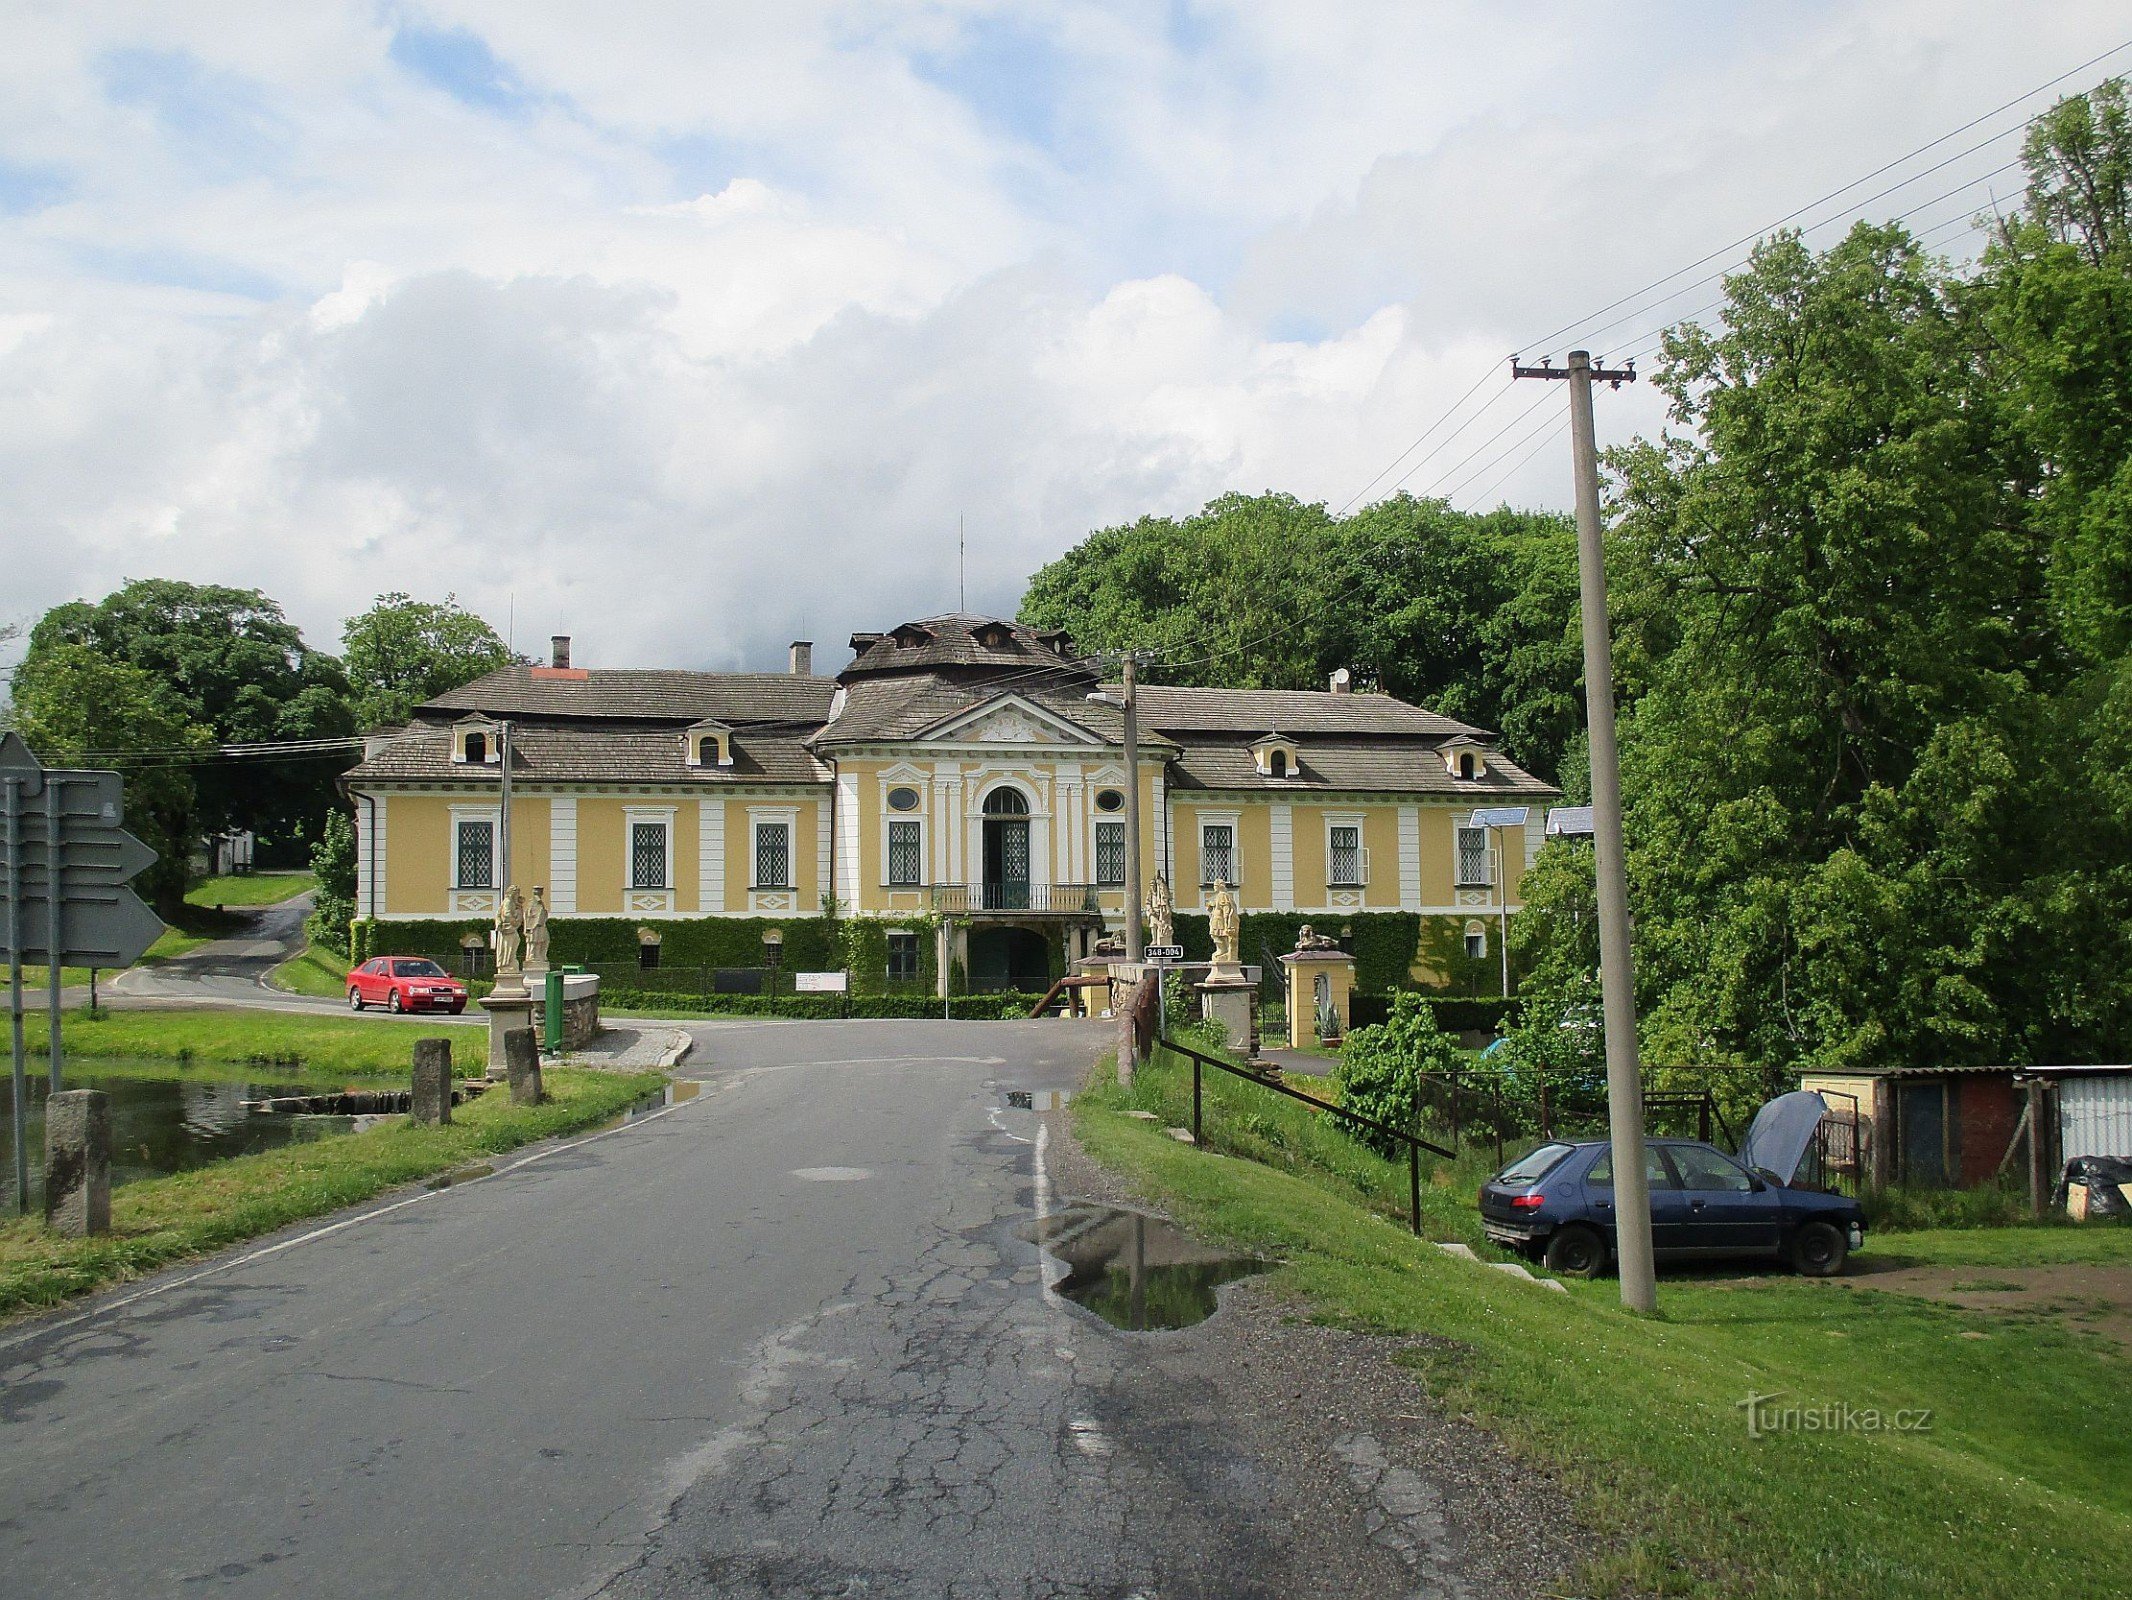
(1382, 1069)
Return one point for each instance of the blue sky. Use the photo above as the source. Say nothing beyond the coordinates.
(689, 329)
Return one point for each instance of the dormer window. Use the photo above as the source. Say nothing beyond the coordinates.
(910, 635)
(475, 743)
(1465, 760)
(1274, 756)
(710, 744)
(993, 635)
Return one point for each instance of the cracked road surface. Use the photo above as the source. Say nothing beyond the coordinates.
(778, 1340)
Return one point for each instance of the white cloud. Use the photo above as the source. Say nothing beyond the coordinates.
(703, 335)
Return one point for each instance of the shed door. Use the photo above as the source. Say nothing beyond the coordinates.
(2095, 1116)
(1923, 1110)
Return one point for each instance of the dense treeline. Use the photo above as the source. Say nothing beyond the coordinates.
(1873, 595)
(154, 678)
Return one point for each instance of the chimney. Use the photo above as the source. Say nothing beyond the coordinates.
(559, 650)
(802, 658)
(1341, 680)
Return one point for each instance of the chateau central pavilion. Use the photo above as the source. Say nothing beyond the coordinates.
(961, 767)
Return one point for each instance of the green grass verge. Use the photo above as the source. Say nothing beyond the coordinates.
(162, 1220)
(264, 1039)
(251, 889)
(316, 972)
(2019, 1489)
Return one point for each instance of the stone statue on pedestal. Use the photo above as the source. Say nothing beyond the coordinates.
(1308, 938)
(510, 929)
(1161, 913)
(537, 932)
(1225, 925)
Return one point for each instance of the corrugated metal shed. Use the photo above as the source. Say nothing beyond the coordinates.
(2095, 1114)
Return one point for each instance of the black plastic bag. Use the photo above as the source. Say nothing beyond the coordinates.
(2102, 1175)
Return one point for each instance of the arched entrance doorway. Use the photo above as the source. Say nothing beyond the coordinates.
(1009, 958)
(1006, 884)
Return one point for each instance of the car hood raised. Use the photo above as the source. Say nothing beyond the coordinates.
(1781, 1134)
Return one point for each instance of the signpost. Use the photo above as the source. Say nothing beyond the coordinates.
(64, 866)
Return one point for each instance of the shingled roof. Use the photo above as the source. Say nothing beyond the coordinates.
(639, 695)
(546, 753)
(961, 646)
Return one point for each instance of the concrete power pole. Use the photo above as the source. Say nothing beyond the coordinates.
(1135, 935)
(1617, 982)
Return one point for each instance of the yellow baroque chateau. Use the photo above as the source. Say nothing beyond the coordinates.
(960, 767)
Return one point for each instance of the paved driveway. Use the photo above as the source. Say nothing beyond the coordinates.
(779, 1339)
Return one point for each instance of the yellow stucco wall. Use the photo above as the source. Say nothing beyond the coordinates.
(418, 843)
(601, 842)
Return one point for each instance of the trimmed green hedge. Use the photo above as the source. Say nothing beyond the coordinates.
(812, 943)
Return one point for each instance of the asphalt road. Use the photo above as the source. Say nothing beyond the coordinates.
(780, 1339)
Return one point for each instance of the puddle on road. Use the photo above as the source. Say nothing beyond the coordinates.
(658, 1100)
(1135, 1271)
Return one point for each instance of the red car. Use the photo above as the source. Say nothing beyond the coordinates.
(405, 983)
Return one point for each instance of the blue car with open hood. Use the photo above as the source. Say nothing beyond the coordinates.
(1556, 1203)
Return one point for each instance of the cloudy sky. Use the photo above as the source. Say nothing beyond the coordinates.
(691, 327)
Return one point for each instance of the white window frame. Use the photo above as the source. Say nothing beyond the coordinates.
(905, 778)
(1476, 929)
(895, 820)
(917, 972)
(631, 816)
(491, 815)
(1095, 865)
(491, 747)
(1354, 820)
(1234, 822)
(759, 818)
(1486, 880)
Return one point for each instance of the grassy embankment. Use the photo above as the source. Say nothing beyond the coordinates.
(314, 972)
(2019, 1488)
(250, 889)
(162, 1220)
(264, 1039)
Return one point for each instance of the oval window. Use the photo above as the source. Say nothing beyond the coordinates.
(1110, 799)
(903, 799)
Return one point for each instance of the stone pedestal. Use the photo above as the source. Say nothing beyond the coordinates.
(507, 1009)
(521, 1051)
(1312, 975)
(1228, 1001)
(77, 1163)
(431, 1102)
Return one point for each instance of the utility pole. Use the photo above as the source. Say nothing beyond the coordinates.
(1135, 935)
(1624, 1083)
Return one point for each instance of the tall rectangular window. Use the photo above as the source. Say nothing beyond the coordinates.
(1217, 853)
(902, 956)
(773, 855)
(904, 855)
(647, 856)
(1110, 855)
(1343, 857)
(474, 856)
(1473, 859)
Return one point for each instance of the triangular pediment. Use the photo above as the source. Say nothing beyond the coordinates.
(1009, 719)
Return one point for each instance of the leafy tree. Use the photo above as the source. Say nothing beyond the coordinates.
(231, 663)
(1472, 616)
(1384, 1067)
(333, 861)
(402, 652)
(70, 701)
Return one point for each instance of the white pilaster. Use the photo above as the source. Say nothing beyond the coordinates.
(562, 855)
(710, 854)
(1409, 858)
(848, 839)
(1281, 825)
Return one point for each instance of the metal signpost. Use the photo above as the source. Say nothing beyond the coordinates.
(63, 879)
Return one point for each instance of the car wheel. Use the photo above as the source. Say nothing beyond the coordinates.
(394, 1003)
(461, 1006)
(1819, 1250)
(355, 999)
(1576, 1252)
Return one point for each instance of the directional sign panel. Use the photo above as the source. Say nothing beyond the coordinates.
(102, 923)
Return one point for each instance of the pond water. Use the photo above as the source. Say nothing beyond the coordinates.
(1135, 1271)
(161, 1125)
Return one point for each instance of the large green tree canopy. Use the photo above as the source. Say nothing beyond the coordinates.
(1472, 616)
(228, 661)
(403, 651)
